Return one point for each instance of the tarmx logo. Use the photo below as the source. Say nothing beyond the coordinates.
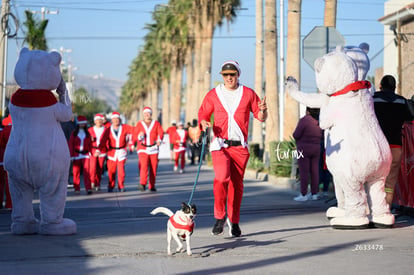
(287, 154)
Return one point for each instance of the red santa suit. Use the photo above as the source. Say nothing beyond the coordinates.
(80, 147)
(97, 163)
(116, 145)
(229, 144)
(147, 150)
(4, 183)
(180, 145)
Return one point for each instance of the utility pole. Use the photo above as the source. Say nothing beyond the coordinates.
(44, 11)
(5, 8)
(399, 68)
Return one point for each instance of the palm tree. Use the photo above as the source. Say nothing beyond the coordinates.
(257, 136)
(293, 58)
(271, 88)
(177, 42)
(35, 32)
(330, 13)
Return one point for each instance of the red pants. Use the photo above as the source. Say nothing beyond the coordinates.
(148, 164)
(77, 166)
(96, 169)
(4, 187)
(113, 166)
(229, 165)
(179, 155)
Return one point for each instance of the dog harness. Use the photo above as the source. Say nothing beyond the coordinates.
(353, 87)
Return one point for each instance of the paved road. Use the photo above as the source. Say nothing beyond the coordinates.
(117, 235)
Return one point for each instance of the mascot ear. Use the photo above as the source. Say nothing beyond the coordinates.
(364, 47)
(55, 57)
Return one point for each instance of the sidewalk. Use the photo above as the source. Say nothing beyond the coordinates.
(117, 235)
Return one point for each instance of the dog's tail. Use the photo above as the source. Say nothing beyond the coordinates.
(163, 210)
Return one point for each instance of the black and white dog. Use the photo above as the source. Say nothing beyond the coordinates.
(180, 225)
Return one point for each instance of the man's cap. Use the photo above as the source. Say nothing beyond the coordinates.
(173, 122)
(82, 120)
(98, 116)
(115, 115)
(180, 123)
(147, 110)
(230, 67)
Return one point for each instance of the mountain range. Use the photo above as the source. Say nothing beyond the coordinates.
(101, 87)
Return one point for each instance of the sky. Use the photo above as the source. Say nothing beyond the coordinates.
(102, 37)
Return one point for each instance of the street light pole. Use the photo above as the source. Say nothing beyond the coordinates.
(3, 52)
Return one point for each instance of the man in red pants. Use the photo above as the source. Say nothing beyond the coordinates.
(180, 144)
(97, 163)
(148, 136)
(116, 140)
(230, 103)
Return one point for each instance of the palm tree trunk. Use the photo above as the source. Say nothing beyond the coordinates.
(175, 105)
(292, 64)
(271, 90)
(165, 103)
(154, 100)
(330, 13)
(257, 136)
(190, 105)
(178, 92)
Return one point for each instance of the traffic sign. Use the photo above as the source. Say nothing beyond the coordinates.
(320, 41)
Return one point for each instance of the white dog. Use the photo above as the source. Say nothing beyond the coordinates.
(180, 225)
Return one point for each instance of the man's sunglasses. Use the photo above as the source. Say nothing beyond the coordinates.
(232, 74)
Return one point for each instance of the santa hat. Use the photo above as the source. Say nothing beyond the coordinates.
(98, 116)
(82, 120)
(147, 109)
(115, 115)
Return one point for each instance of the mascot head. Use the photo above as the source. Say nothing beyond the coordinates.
(334, 71)
(38, 70)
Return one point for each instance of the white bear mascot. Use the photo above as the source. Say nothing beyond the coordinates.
(357, 153)
(37, 154)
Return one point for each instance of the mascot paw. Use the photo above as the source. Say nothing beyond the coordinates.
(335, 212)
(66, 227)
(383, 221)
(350, 222)
(25, 228)
(291, 84)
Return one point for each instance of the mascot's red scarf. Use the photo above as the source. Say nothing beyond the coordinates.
(358, 85)
(33, 98)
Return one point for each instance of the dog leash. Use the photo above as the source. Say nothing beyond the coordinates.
(203, 145)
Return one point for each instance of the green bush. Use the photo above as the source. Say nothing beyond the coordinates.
(254, 150)
(255, 163)
(281, 155)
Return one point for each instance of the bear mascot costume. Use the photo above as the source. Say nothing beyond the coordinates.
(357, 152)
(37, 154)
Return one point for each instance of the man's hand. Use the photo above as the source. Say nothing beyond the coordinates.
(205, 124)
(262, 105)
(262, 116)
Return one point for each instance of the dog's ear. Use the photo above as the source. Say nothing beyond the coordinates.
(185, 207)
(193, 208)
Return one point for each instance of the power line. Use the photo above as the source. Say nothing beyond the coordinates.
(143, 37)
